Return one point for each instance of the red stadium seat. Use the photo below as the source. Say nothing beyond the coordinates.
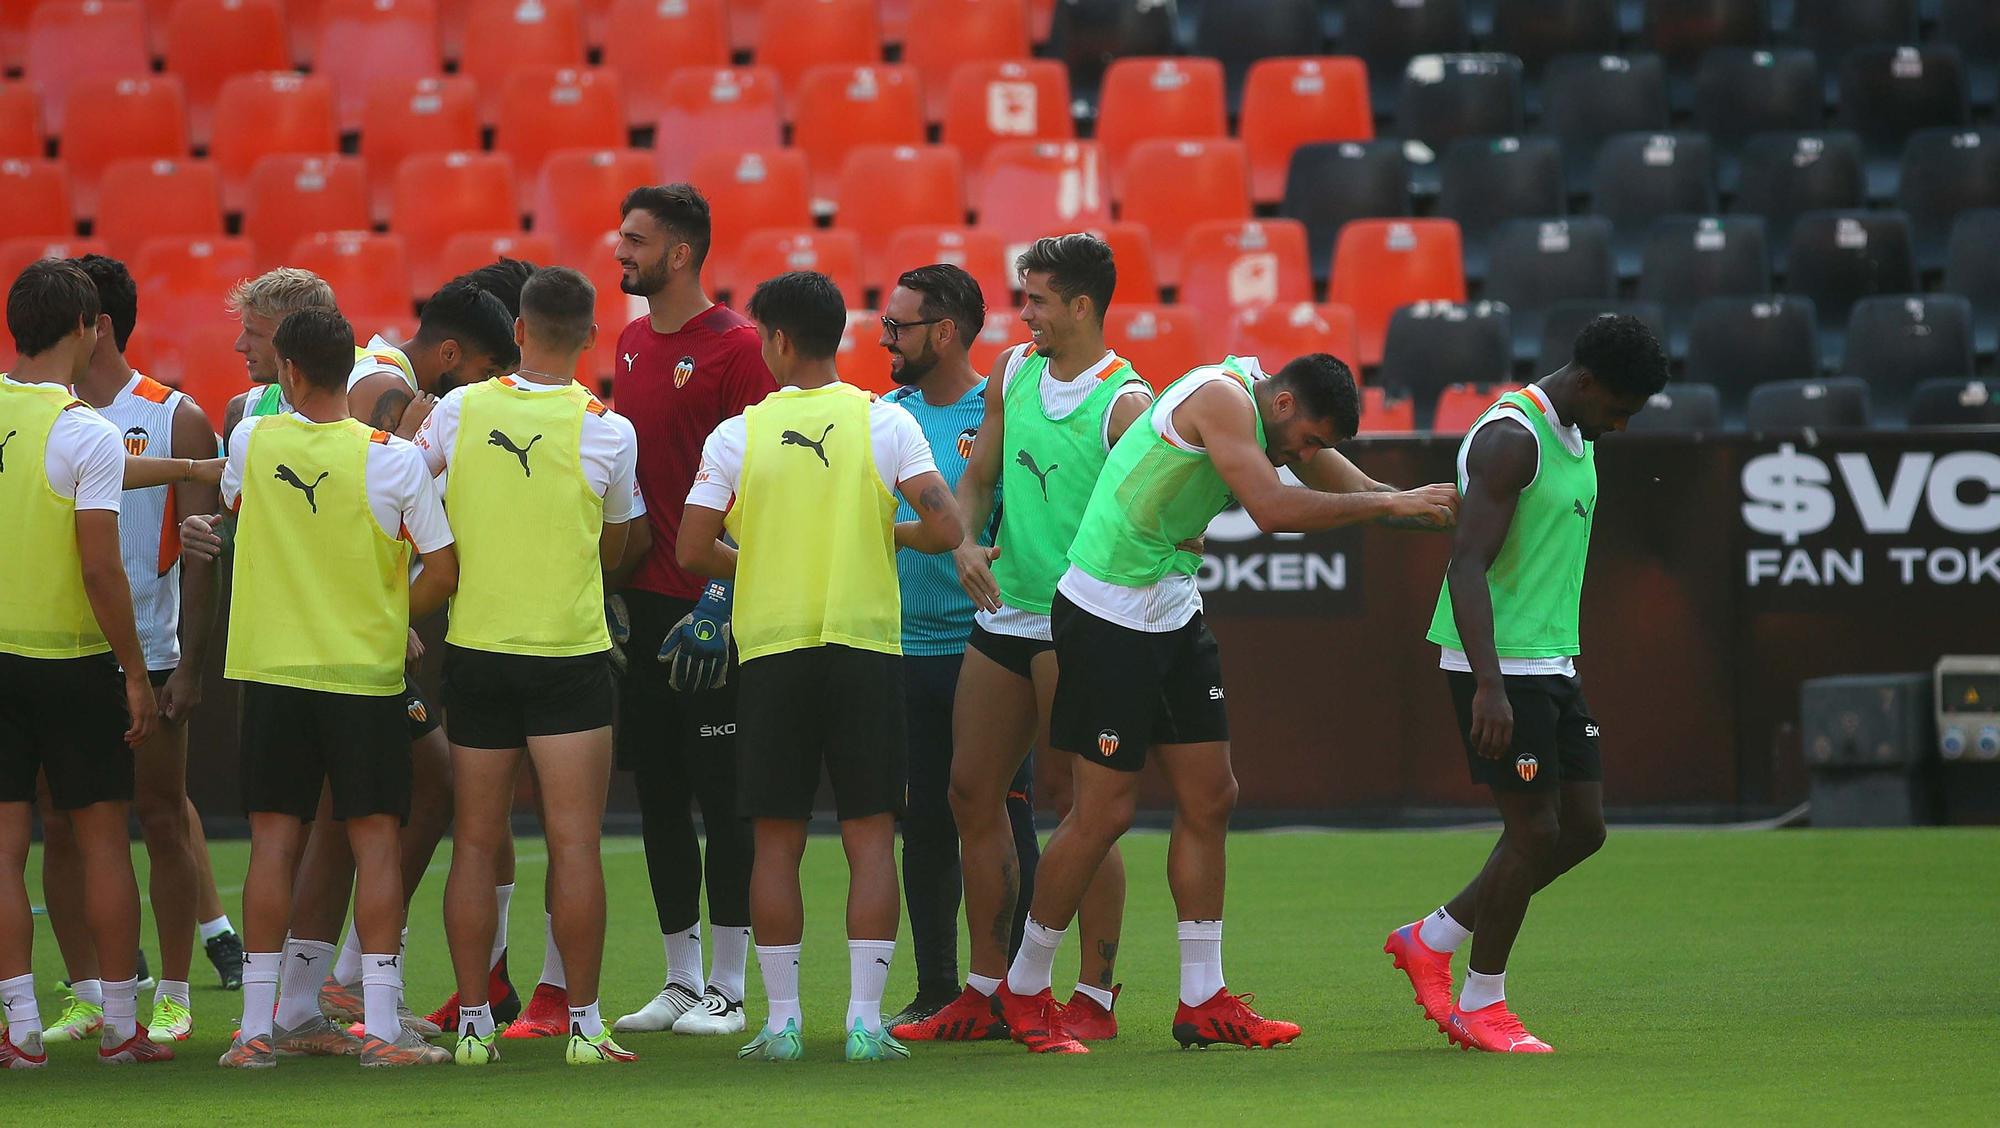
(615, 310)
(142, 199)
(1381, 415)
(979, 253)
(884, 187)
(470, 250)
(183, 280)
(862, 361)
(1003, 328)
(770, 251)
(369, 275)
(38, 202)
(13, 33)
(503, 36)
(798, 35)
(374, 40)
(16, 254)
(1460, 404)
(71, 40)
(715, 109)
(208, 42)
(1277, 333)
(746, 191)
(261, 114)
(438, 195)
(578, 193)
(292, 196)
(1028, 189)
(302, 29)
(1146, 98)
(1228, 265)
(946, 34)
(1132, 250)
(1173, 185)
(647, 41)
(204, 364)
(991, 102)
(840, 108)
(1380, 265)
(1162, 343)
(1290, 102)
(112, 119)
(401, 119)
(543, 109)
(20, 122)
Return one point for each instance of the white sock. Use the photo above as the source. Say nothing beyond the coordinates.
(89, 991)
(307, 963)
(1481, 990)
(177, 990)
(1201, 960)
(210, 929)
(381, 990)
(867, 977)
(1035, 964)
(585, 1020)
(17, 1003)
(730, 949)
(684, 957)
(475, 1022)
(780, 965)
(121, 1008)
(347, 968)
(984, 984)
(552, 965)
(1097, 995)
(1441, 932)
(503, 896)
(260, 992)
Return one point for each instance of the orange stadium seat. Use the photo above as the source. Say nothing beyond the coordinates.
(143, 199)
(861, 360)
(1277, 333)
(978, 252)
(839, 108)
(438, 195)
(261, 114)
(744, 17)
(991, 102)
(615, 309)
(1460, 404)
(1290, 102)
(1380, 265)
(369, 275)
(183, 281)
(1174, 185)
(715, 109)
(1146, 98)
(208, 42)
(111, 119)
(1028, 189)
(1132, 252)
(403, 118)
(1003, 328)
(543, 109)
(1162, 343)
(39, 204)
(20, 122)
(770, 251)
(578, 193)
(16, 254)
(71, 40)
(13, 32)
(503, 36)
(292, 196)
(302, 28)
(1228, 265)
(647, 41)
(1381, 415)
(374, 40)
(946, 34)
(884, 187)
(470, 250)
(748, 190)
(797, 35)
(205, 365)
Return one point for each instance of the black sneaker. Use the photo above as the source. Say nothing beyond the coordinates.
(924, 1006)
(506, 1001)
(225, 951)
(143, 973)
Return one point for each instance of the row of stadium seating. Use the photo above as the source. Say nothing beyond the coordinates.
(1784, 405)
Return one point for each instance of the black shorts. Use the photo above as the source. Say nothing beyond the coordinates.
(655, 720)
(1121, 691)
(159, 677)
(423, 719)
(294, 740)
(831, 705)
(64, 717)
(1555, 737)
(1012, 652)
(500, 700)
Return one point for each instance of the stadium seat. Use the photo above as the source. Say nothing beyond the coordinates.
(16, 254)
(1003, 329)
(402, 119)
(1740, 92)
(1445, 97)
(1538, 262)
(292, 196)
(884, 187)
(1242, 33)
(1591, 98)
(182, 280)
(1332, 183)
(369, 274)
(1832, 28)
(991, 102)
(615, 310)
(577, 195)
(13, 34)
(1888, 92)
(21, 136)
(1485, 181)
(744, 18)
(436, 196)
(1387, 34)
(1434, 344)
(204, 364)
(1290, 102)
(209, 42)
(1737, 343)
(39, 201)
(1641, 176)
(1692, 258)
(1796, 405)
(1277, 333)
(1230, 265)
(1681, 30)
(1945, 172)
(944, 35)
(1459, 406)
(748, 190)
(861, 359)
(1381, 415)
(1536, 31)
(71, 40)
(796, 36)
(546, 109)
(375, 41)
(978, 252)
(1145, 99)
(1086, 35)
(647, 41)
(113, 119)
(261, 114)
(470, 250)
(1785, 175)
(1174, 185)
(1839, 257)
(1132, 249)
(715, 109)
(770, 251)
(1562, 321)
(1972, 271)
(839, 108)
(141, 199)
(1954, 403)
(1163, 343)
(1973, 26)
(1028, 189)
(1380, 265)
(1678, 409)
(503, 36)
(1896, 341)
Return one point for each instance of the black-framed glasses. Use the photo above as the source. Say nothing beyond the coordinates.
(895, 328)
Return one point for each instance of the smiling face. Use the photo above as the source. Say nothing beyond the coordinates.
(913, 351)
(253, 342)
(646, 254)
(1053, 324)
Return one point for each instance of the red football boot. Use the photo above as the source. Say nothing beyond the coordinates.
(445, 1018)
(1035, 1021)
(15, 1056)
(547, 1015)
(1227, 1019)
(1429, 971)
(1493, 1028)
(139, 1049)
(1088, 1022)
(968, 1018)
(500, 996)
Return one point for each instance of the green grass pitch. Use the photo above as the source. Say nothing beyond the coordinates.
(1684, 977)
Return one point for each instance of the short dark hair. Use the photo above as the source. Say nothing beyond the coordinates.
(117, 294)
(320, 342)
(478, 321)
(47, 302)
(806, 307)
(1076, 264)
(1324, 387)
(949, 292)
(1623, 354)
(559, 306)
(680, 208)
(503, 278)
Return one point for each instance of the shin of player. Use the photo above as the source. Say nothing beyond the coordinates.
(805, 481)
(1506, 625)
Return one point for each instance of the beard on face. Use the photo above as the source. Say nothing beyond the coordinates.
(913, 370)
(645, 283)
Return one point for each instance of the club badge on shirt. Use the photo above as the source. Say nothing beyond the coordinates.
(683, 372)
(136, 441)
(965, 439)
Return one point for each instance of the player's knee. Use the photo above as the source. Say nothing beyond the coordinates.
(162, 823)
(1535, 837)
(970, 805)
(1211, 807)
(1581, 842)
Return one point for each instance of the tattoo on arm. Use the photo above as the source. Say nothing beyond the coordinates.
(389, 409)
(932, 498)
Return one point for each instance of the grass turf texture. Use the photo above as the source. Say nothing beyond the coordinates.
(1683, 976)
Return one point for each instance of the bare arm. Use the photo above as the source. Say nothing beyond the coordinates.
(1329, 471)
(611, 543)
(638, 542)
(233, 413)
(381, 399)
(939, 525)
(974, 496)
(435, 584)
(142, 473)
(198, 575)
(1498, 467)
(1125, 411)
(700, 549)
(111, 602)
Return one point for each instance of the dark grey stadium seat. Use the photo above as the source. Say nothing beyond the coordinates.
(1834, 27)
(1692, 258)
(1681, 30)
(1896, 341)
(1972, 271)
(1973, 26)
(1839, 257)
(1642, 176)
(1737, 343)
(1387, 34)
(1955, 403)
(1677, 409)
(1945, 172)
(1087, 34)
(1446, 97)
(1486, 181)
(1536, 31)
(1538, 262)
(1432, 345)
(1589, 98)
(1791, 405)
(1564, 320)
(1889, 92)
(1740, 92)
(1332, 182)
(1240, 32)
(1785, 175)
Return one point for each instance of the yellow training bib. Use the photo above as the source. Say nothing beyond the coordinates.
(44, 612)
